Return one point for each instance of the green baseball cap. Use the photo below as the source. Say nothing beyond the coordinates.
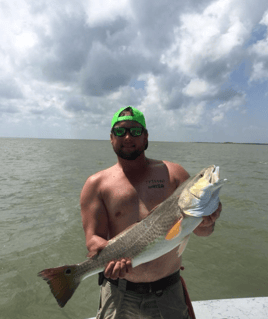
(137, 116)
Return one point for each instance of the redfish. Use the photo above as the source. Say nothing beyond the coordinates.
(168, 226)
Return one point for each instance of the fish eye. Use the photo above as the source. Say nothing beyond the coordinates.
(201, 175)
(68, 271)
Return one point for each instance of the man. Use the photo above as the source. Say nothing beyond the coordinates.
(114, 199)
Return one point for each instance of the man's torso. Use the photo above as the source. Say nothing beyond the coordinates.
(129, 199)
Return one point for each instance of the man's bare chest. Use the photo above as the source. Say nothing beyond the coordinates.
(128, 201)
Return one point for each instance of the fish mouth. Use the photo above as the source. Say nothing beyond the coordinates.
(214, 175)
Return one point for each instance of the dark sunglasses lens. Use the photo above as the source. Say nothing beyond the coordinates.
(119, 131)
(136, 131)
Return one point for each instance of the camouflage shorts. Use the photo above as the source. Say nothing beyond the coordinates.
(117, 303)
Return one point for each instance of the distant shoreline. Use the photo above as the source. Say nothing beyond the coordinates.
(88, 139)
(231, 143)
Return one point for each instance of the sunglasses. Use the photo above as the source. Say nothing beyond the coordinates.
(122, 131)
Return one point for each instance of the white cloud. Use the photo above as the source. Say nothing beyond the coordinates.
(261, 47)
(196, 87)
(206, 37)
(235, 103)
(104, 11)
(264, 19)
(259, 71)
(217, 116)
(9, 88)
(259, 53)
(193, 114)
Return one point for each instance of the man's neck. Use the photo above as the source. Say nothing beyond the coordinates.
(140, 164)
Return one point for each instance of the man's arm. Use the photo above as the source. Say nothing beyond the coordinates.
(94, 216)
(95, 223)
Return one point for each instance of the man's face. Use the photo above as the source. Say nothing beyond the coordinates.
(129, 147)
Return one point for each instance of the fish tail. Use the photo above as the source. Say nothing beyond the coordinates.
(62, 282)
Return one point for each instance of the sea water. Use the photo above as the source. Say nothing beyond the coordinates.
(40, 222)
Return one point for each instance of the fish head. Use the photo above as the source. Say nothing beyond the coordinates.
(205, 180)
(200, 197)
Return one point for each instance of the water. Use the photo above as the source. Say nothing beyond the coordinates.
(40, 224)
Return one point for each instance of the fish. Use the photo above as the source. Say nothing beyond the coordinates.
(168, 225)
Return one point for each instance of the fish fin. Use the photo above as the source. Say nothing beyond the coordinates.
(174, 230)
(183, 245)
(62, 282)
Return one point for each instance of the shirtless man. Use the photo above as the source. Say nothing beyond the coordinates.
(115, 198)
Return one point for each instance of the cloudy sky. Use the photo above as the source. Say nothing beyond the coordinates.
(198, 69)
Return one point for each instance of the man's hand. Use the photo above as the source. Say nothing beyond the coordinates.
(114, 269)
(95, 245)
(118, 269)
(206, 228)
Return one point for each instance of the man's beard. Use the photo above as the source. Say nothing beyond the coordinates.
(129, 156)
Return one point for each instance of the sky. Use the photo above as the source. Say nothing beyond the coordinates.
(198, 69)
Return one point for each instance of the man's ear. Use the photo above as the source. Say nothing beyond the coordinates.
(147, 135)
(146, 138)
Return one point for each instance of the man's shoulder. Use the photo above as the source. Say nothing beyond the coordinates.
(95, 183)
(101, 175)
(177, 172)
